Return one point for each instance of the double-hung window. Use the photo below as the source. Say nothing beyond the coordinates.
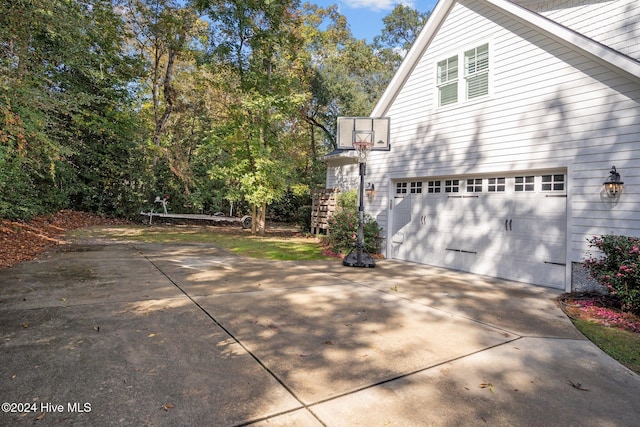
(474, 80)
(476, 71)
(448, 81)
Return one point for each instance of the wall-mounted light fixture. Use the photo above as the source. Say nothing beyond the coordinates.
(613, 186)
(370, 190)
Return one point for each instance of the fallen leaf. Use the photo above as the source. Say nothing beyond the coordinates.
(304, 354)
(395, 288)
(96, 328)
(41, 416)
(63, 299)
(487, 385)
(151, 335)
(25, 325)
(577, 386)
(328, 342)
(168, 406)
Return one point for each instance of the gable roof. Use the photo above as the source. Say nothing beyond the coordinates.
(597, 51)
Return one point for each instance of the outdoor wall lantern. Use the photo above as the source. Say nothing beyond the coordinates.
(370, 190)
(613, 186)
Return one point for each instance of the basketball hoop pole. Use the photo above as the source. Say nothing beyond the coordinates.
(361, 258)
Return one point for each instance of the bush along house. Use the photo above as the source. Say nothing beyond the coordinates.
(515, 138)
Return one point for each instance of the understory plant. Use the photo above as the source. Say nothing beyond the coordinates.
(343, 227)
(617, 267)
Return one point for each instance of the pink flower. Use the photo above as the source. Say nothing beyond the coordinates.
(634, 250)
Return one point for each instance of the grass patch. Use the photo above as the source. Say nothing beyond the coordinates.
(623, 346)
(276, 246)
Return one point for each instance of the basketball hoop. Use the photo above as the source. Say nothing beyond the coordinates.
(362, 134)
(363, 148)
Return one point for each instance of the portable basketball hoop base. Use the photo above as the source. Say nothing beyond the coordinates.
(359, 257)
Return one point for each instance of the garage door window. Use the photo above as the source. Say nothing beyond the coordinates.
(474, 185)
(434, 187)
(401, 188)
(524, 183)
(496, 185)
(416, 187)
(452, 186)
(552, 182)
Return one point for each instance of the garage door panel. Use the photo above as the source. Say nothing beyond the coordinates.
(514, 235)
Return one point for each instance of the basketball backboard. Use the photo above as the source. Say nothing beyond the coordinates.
(373, 130)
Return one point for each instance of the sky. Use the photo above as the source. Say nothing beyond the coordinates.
(365, 16)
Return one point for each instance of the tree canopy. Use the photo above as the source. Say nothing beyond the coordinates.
(220, 104)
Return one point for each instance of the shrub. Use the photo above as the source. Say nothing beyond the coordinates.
(304, 217)
(343, 227)
(618, 269)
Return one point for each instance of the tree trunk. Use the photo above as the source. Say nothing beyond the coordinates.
(254, 223)
(262, 220)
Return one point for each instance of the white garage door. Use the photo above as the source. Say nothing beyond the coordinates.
(512, 227)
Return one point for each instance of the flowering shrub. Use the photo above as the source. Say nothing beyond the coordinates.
(618, 269)
(343, 227)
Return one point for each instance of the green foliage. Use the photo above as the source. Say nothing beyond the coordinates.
(343, 227)
(287, 208)
(618, 269)
(303, 218)
(105, 105)
(63, 96)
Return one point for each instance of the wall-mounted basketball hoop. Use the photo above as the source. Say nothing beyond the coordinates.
(363, 134)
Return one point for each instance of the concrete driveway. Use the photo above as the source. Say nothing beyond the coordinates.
(108, 333)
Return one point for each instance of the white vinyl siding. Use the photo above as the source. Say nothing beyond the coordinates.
(610, 22)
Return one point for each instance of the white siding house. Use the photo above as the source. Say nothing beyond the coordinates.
(506, 118)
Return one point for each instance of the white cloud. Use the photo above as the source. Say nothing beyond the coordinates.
(376, 5)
